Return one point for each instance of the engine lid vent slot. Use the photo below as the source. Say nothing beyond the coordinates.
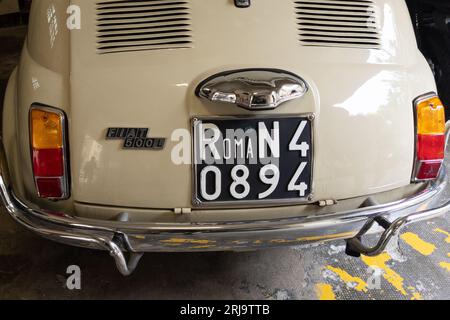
(338, 23)
(126, 25)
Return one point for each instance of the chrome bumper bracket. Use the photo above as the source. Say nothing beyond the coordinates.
(125, 267)
(355, 246)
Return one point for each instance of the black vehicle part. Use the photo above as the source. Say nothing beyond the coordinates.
(432, 25)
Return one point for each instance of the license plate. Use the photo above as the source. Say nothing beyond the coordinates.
(252, 160)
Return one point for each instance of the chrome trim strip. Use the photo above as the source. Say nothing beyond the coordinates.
(447, 133)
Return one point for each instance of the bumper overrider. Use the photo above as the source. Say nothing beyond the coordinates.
(120, 238)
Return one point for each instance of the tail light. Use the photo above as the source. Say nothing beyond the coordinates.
(430, 140)
(47, 129)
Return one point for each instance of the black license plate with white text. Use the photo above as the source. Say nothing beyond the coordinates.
(252, 160)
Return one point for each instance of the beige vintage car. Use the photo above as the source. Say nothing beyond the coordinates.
(195, 125)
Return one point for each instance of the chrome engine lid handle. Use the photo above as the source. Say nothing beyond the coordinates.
(253, 89)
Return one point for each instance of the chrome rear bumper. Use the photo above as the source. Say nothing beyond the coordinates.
(135, 238)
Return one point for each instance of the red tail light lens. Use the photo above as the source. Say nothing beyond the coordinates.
(430, 148)
(47, 129)
(48, 163)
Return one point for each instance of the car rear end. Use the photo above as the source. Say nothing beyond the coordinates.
(142, 128)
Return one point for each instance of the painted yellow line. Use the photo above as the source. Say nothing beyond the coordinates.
(445, 233)
(415, 295)
(421, 246)
(390, 275)
(325, 292)
(445, 265)
(361, 285)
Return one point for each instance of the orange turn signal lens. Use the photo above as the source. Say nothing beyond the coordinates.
(430, 116)
(46, 129)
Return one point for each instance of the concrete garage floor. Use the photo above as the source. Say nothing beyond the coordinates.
(34, 268)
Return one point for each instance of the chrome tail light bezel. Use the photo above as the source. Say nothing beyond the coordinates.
(417, 162)
(65, 178)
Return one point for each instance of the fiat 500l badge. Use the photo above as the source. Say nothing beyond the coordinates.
(135, 138)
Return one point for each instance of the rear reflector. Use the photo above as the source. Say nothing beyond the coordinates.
(429, 170)
(430, 137)
(48, 152)
(50, 187)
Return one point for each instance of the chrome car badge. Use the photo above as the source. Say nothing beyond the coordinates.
(253, 89)
(135, 138)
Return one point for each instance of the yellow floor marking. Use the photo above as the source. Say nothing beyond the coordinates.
(415, 294)
(361, 285)
(390, 275)
(325, 292)
(418, 244)
(444, 232)
(445, 265)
